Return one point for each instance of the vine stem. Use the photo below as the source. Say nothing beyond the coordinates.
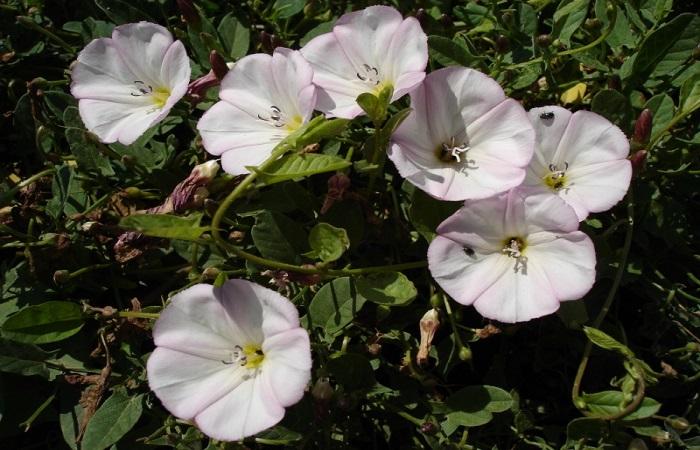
(138, 315)
(573, 51)
(576, 388)
(240, 189)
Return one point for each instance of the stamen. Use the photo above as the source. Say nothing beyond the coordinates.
(370, 75)
(453, 152)
(556, 178)
(514, 247)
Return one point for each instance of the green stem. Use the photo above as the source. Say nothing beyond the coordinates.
(28, 423)
(576, 388)
(29, 23)
(659, 134)
(9, 194)
(573, 51)
(88, 269)
(138, 315)
(453, 323)
(240, 189)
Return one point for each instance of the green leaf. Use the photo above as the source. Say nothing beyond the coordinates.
(234, 36)
(335, 305)
(393, 123)
(666, 48)
(612, 105)
(324, 130)
(47, 322)
(690, 95)
(351, 370)
(278, 237)
(23, 359)
(387, 288)
(318, 30)
(427, 213)
(568, 18)
(607, 403)
(473, 405)
(68, 195)
(606, 341)
(86, 151)
(284, 9)
(301, 165)
(117, 415)
(327, 242)
(450, 52)
(165, 225)
(662, 110)
(278, 435)
(586, 428)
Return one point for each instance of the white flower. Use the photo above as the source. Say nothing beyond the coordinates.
(230, 358)
(366, 51)
(514, 256)
(129, 82)
(263, 99)
(464, 139)
(582, 157)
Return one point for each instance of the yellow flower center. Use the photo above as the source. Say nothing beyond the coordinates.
(293, 123)
(381, 86)
(556, 178)
(160, 96)
(253, 356)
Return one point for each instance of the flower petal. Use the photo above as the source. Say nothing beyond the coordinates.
(568, 261)
(549, 123)
(288, 364)
(292, 76)
(100, 73)
(143, 46)
(546, 211)
(333, 73)
(518, 295)
(464, 276)
(256, 309)
(249, 85)
(597, 187)
(407, 57)
(112, 121)
(175, 72)
(591, 139)
(249, 409)
(196, 322)
(187, 384)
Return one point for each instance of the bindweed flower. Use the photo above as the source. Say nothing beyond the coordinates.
(230, 358)
(581, 157)
(513, 256)
(263, 99)
(366, 51)
(464, 139)
(129, 82)
(429, 324)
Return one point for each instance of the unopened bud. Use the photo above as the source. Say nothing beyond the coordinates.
(642, 128)
(679, 423)
(237, 236)
(374, 348)
(108, 312)
(128, 160)
(502, 44)
(465, 353)
(543, 40)
(592, 24)
(692, 347)
(189, 12)
(218, 65)
(133, 192)
(210, 273)
(429, 324)
(446, 21)
(61, 276)
(638, 160)
(637, 444)
(428, 428)
(322, 390)
(662, 437)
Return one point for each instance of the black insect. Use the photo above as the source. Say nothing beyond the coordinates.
(469, 251)
(547, 115)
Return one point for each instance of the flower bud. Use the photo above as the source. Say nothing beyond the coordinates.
(218, 65)
(637, 444)
(679, 423)
(543, 40)
(642, 128)
(133, 192)
(189, 12)
(210, 273)
(465, 353)
(61, 276)
(322, 390)
(692, 347)
(502, 44)
(638, 160)
(429, 324)
(592, 23)
(237, 236)
(337, 185)
(428, 428)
